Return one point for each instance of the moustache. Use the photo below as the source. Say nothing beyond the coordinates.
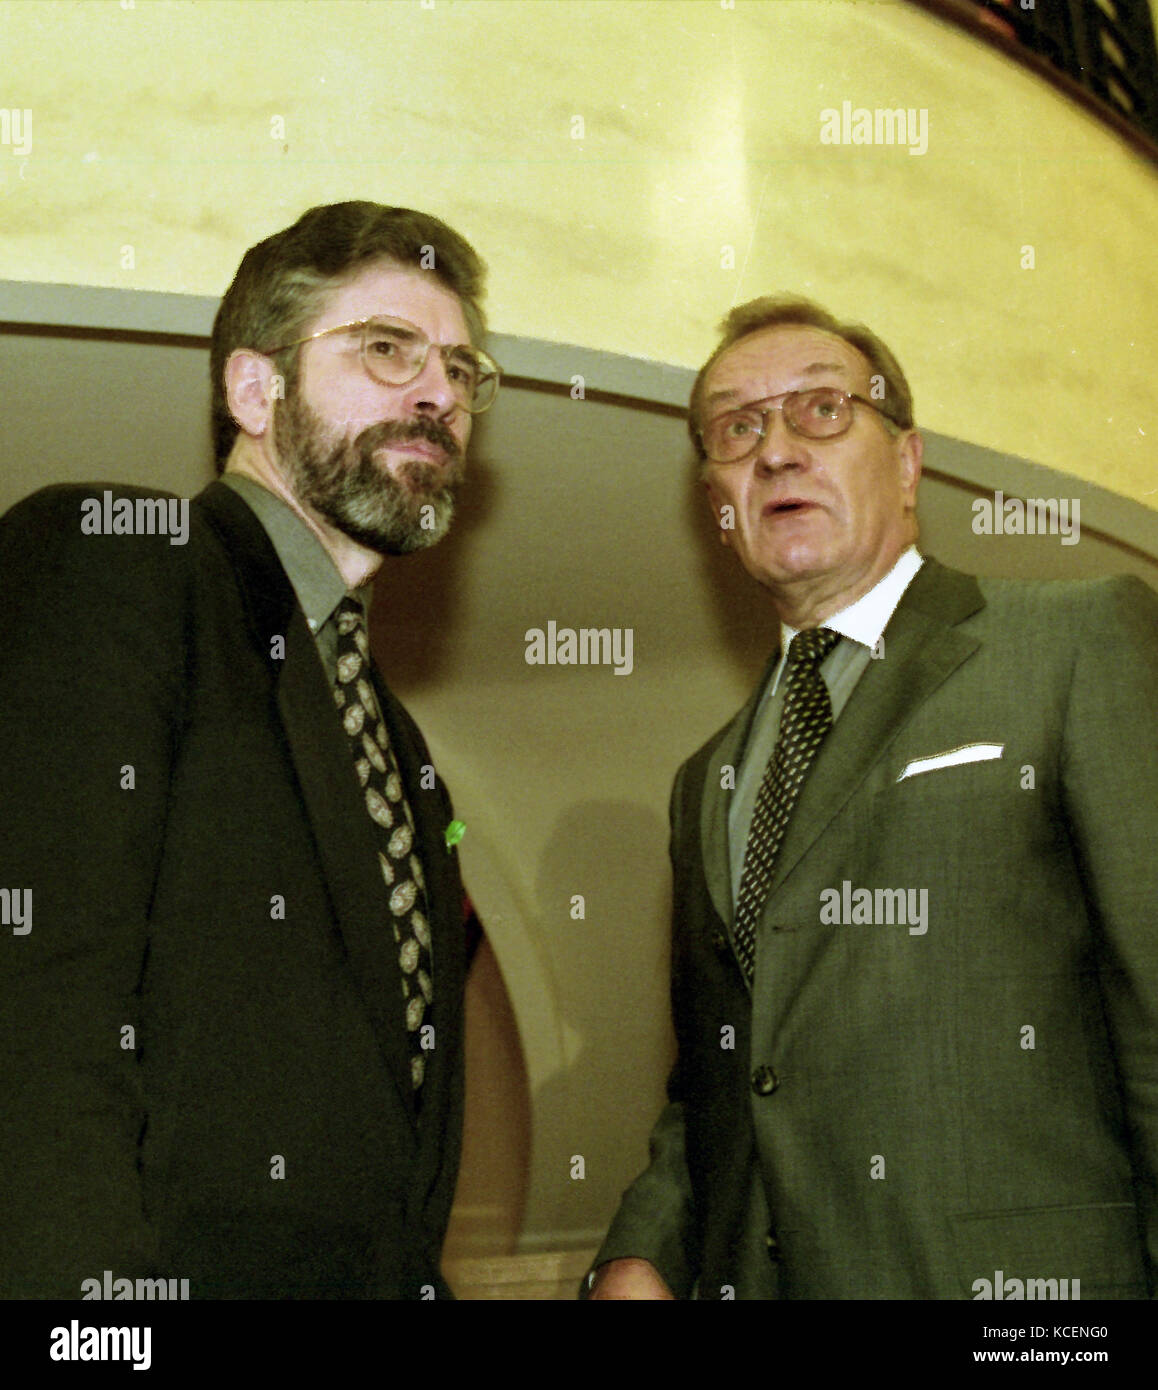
(399, 431)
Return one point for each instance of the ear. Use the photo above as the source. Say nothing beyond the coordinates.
(911, 448)
(251, 386)
(722, 512)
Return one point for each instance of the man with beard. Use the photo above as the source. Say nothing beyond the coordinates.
(233, 1029)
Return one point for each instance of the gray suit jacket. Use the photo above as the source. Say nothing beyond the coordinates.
(903, 1113)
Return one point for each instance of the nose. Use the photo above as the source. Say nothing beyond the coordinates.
(781, 446)
(430, 393)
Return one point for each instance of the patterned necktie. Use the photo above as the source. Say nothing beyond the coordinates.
(806, 718)
(386, 804)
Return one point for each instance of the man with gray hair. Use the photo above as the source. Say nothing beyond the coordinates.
(914, 957)
(233, 1050)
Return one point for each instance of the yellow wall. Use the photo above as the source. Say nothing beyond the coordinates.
(154, 126)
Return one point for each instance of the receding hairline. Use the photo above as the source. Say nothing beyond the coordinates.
(329, 291)
(714, 397)
(788, 326)
(772, 312)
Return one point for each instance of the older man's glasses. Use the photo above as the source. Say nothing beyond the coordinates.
(394, 352)
(822, 413)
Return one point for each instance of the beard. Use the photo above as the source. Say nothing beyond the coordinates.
(339, 478)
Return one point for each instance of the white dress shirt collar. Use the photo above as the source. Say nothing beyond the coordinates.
(865, 620)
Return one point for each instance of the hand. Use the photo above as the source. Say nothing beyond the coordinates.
(629, 1278)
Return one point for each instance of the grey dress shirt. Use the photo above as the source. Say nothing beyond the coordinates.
(314, 576)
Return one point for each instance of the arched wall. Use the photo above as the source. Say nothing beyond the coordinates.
(581, 512)
(629, 169)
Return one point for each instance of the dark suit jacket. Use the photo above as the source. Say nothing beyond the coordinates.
(168, 781)
(904, 1114)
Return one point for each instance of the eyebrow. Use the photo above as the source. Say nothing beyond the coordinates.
(402, 330)
(811, 370)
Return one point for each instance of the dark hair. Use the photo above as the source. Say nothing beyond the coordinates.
(283, 281)
(775, 311)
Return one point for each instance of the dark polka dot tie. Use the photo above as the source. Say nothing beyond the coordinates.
(806, 718)
(387, 807)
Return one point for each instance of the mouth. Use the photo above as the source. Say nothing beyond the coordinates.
(417, 448)
(789, 506)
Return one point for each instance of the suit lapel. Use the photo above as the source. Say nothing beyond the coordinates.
(716, 801)
(321, 758)
(922, 648)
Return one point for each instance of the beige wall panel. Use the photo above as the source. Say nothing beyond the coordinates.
(698, 178)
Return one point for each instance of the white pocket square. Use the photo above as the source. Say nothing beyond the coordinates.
(968, 753)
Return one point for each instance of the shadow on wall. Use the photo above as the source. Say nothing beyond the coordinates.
(496, 1147)
(600, 900)
(421, 608)
(743, 610)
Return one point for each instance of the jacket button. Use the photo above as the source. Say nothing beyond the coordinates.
(773, 1247)
(720, 943)
(764, 1081)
